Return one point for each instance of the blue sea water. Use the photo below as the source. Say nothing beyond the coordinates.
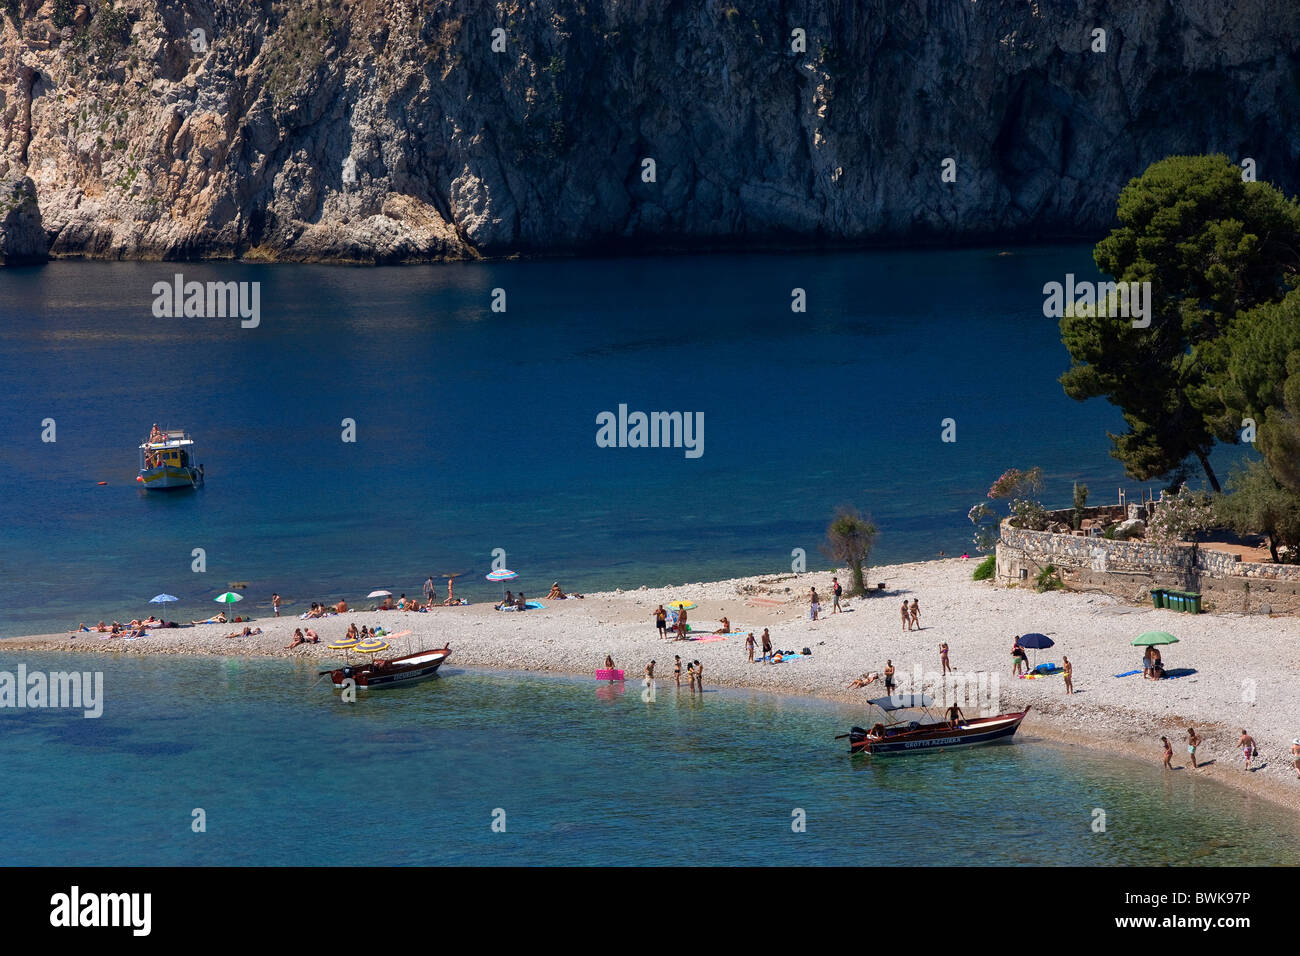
(284, 772)
(475, 430)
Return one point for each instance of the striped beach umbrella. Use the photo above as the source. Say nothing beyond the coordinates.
(230, 597)
(503, 575)
(372, 646)
(343, 644)
(682, 605)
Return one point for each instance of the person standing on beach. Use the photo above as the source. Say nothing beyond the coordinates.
(907, 614)
(749, 646)
(814, 605)
(661, 622)
(889, 678)
(915, 613)
(1069, 675)
(836, 591)
(1295, 756)
(1019, 657)
(429, 591)
(677, 670)
(681, 624)
(275, 603)
(650, 671)
(1169, 753)
(1193, 742)
(943, 659)
(699, 675)
(1247, 745)
(767, 646)
(690, 677)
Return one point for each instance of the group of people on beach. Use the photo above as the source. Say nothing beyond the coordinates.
(694, 672)
(1246, 742)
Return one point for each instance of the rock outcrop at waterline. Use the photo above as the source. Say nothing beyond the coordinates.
(390, 130)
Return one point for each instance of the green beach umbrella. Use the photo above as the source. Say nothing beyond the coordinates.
(1151, 638)
(230, 597)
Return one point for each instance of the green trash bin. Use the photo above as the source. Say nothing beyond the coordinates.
(1157, 597)
(1194, 602)
(1174, 600)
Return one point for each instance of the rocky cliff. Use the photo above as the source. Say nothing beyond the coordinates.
(392, 130)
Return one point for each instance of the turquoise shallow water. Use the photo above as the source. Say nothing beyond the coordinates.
(476, 430)
(586, 774)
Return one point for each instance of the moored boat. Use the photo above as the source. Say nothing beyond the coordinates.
(908, 736)
(391, 672)
(167, 461)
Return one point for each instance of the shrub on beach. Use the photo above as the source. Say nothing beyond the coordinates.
(849, 539)
(984, 570)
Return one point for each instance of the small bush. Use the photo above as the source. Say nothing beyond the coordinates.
(984, 570)
(1048, 580)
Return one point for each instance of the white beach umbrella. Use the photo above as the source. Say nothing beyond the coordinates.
(380, 594)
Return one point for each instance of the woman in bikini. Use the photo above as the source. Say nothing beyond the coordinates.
(943, 659)
(677, 669)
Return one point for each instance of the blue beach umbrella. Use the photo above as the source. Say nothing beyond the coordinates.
(1036, 642)
(163, 599)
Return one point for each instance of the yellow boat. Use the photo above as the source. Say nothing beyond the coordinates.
(168, 462)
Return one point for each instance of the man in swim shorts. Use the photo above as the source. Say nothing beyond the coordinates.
(1247, 745)
(889, 675)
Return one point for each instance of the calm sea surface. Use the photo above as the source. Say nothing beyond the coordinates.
(581, 773)
(476, 430)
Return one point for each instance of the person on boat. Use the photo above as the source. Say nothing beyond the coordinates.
(878, 730)
(155, 434)
(297, 639)
(955, 717)
(726, 626)
(870, 677)
(1019, 657)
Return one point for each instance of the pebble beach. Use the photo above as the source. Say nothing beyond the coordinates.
(1232, 671)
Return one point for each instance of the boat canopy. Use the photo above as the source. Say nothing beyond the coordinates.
(903, 702)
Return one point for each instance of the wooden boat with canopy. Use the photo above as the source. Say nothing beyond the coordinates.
(899, 735)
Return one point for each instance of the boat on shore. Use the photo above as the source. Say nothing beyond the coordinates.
(167, 462)
(391, 672)
(900, 736)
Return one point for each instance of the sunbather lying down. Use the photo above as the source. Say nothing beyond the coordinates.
(219, 619)
(868, 678)
(246, 632)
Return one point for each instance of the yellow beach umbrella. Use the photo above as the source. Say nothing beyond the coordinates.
(343, 644)
(372, 647)
(682, 605)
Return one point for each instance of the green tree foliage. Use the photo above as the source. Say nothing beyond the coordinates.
(1263, 383)
(1257, 504)
(849, 539)
(1212, 247)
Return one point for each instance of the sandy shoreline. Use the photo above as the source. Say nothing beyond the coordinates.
(1241, 671)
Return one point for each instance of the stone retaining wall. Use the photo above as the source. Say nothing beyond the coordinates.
(1132, 568)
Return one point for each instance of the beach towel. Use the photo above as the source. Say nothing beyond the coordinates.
(705, 638)
(1128, 673)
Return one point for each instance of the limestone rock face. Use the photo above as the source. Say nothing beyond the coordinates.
(392, 130)
(22, 237)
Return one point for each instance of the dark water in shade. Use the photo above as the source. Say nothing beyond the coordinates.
(288, 774)
(476, 430)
